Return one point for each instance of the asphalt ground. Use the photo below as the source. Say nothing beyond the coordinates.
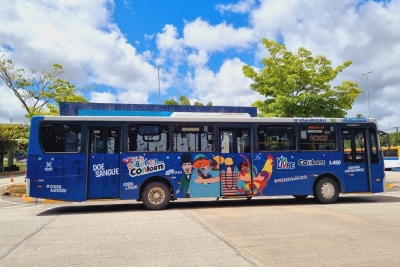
(359, 230)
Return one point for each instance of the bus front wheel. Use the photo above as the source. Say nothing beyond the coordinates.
(156, 196)
(327, 191)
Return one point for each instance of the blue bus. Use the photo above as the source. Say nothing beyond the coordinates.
(196, 155)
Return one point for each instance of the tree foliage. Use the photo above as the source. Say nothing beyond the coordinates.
(40, 92)
(184, 101)
(299, 85)
(394, 139)
(18, 132)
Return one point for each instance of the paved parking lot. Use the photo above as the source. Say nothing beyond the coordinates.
(359, 230)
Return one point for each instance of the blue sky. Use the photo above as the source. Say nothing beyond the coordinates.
(200, 46)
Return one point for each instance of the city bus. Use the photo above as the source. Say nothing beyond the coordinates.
(391, 157)
(156, 160)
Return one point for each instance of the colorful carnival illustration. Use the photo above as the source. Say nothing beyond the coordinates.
(209, 177)
(204, 177)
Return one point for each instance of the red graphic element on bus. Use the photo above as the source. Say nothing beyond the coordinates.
(260, 181)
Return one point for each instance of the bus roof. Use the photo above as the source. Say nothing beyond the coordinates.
(203, 117)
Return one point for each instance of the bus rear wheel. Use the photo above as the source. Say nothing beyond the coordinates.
(156, 196)
(327, 191)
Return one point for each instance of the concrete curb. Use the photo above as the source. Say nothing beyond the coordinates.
(12, 173)
(25, 198)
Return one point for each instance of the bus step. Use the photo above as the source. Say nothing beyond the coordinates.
(248, 196)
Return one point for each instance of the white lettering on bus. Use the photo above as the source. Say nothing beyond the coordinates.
(56, 188)
(146, 169)
(130, 186)
(100, 171)
(311, 162)
(309, 120)
(291, 179)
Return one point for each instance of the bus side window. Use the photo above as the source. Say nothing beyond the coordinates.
(347, 148)
(61, 137)
(47, 138)
(276, 137)
(374, 145)
(317, 137)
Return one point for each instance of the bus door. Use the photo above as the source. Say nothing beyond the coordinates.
(104, 158)
(356, 167)
(237, 172)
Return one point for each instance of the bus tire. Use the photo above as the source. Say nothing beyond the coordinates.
(327, 191)
(156, 196)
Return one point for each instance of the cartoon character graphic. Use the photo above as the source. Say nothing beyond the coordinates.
(216, 162)
(261, 180)
(245, 170)
(204, 182)
(186, 163)
(229, 178)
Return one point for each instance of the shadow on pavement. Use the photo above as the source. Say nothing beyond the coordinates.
(192, 204)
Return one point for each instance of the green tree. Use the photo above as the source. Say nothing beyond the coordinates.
(40, 92)
(18, 132)
(184, 101)
(299, 85)
(394, 139)
(171, 102)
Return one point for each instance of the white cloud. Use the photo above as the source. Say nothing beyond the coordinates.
(97, 97)
(10, 107)
(171, 47)
(200, 35)
(364, 32)
(132, 97)
(81, 36)
(243, 6)
(226, 87)
(198, 58)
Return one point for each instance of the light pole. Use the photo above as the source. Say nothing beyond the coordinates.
(366, 75)
(158, 69)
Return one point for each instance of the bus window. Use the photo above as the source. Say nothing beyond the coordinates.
(243, 140)
(374, 145)
(227, 144)
(60, 137)
(360, 145)
(347, 146)
(317, 137)
(353, 141)
(193, 137)
(148, 138)
(276, 138)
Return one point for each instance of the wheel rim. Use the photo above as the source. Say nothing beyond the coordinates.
(156, 195)
(327, 190)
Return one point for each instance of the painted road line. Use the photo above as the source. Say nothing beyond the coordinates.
(36, 206)
(17, 206)
(5, 206)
